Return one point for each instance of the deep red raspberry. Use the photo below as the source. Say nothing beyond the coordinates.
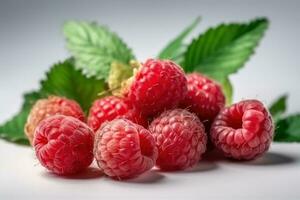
(111, 107)
(204, 98)
(51, 106)
(63, 144)
(124, 149)
(180, 138)
(243, 131)
(157, 86)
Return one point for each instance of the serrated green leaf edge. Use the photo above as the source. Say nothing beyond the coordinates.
(64, 80)
(201, 53)
(13, 129)
(175, 48)
(54, 84)
(95, 47)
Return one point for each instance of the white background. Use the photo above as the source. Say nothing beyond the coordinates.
(31, 40)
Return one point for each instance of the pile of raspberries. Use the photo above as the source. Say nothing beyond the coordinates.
(163, 118)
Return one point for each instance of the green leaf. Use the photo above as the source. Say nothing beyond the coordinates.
(223, 50)
(227, 90)
(288, 129)
(64, 80)
(94, 48)
(175, 49)
(13, 129)
(30, 98)
(278, 107)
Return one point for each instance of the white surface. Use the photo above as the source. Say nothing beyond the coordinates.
(274, 176)
(31, 40)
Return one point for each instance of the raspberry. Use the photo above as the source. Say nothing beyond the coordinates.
(124, 149)
(180, 138)
(109, 108)
(64, 144)
(204, 98)
(47, 107)
(157, 86)
(243, 131)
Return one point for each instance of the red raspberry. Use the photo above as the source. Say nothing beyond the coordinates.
(157, 86)
(124, 149)
(63, 144)
(243, 131)
(109, 108)
(47, 107)
(180, 138)
(204, 98)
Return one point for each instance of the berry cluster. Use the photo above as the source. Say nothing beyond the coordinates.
(164, 118)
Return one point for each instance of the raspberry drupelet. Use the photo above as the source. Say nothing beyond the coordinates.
(111, 107)
(180, 138)
(204, 98)
(124, 149)
(52, 105)
(243, 131)
(64, 144)
(157, 85)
